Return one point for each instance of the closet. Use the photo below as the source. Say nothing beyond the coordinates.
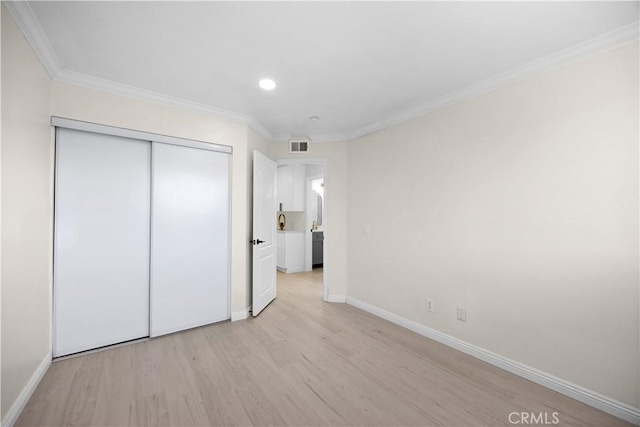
(141, 244)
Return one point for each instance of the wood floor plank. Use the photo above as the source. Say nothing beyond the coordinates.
(187, 410)
(301, 362)
(152, 410)
(82, 397)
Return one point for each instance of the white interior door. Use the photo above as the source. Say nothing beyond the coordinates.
(264, 231)
(101, 247)
(189, 238)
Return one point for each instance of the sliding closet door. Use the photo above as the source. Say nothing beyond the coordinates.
(101, 253)
(190, 238)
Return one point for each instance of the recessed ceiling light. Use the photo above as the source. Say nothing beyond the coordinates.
(314, 118)
(267, 84)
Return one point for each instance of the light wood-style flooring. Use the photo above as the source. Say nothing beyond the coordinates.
(301, 362)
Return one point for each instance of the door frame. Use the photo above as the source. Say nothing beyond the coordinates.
(325, 213)
(308, 256)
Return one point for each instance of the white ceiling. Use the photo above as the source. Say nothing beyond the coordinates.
(357, 65)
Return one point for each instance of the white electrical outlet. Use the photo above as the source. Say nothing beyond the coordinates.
(462, 314)
(428, 304)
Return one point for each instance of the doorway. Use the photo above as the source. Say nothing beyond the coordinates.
(301, 222)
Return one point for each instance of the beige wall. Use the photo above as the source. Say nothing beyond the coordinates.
(27, 199)
(336, 204)
(521, 206)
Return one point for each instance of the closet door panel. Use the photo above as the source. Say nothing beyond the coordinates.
(190, 238)
(101, 248)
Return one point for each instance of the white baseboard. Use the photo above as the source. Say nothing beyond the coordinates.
(240, 315)
(18, 405)
(290, 270)
(589, 397)
(336, 298)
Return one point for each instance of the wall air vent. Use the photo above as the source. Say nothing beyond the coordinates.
(299, 145)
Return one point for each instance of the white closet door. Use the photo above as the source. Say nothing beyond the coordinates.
(102, 221)
(189, 239)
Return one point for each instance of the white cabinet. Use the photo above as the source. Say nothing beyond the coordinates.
(128, 265)
(291, 187)
(280, 242)
(290, 251)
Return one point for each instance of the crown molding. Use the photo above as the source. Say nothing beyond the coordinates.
(544, 64)
(315, 138)
(258, 128)
(30, 27)
(80, 79)
(34, 34)
(334, 137)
